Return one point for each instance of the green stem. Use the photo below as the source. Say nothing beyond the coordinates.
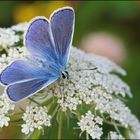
(31, 99)
(111, 123)
(60, 128)
(18, 120)
(48, 101)
(115, 126)
(87, 136)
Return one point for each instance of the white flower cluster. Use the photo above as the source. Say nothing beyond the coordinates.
(7, 37)
(105, 66)
(114, 136)
(103, 75)
(116, 109)
(5, 106)
(135, 126)
(35, 118)
(88, 86)
(91, 124)
(101, 88)
(21, 27)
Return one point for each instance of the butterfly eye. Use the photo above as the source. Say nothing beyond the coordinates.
(65, 74)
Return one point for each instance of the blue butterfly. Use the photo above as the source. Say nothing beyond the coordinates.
(49, 43)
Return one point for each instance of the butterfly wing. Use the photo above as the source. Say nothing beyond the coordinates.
(24, 89)
(20, 70)
(38, 39)
(62, 26)
(24, 79)
(52, 40)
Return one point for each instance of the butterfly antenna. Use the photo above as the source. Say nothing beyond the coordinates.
(95, 68)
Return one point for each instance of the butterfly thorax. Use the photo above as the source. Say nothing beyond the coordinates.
(65, 74)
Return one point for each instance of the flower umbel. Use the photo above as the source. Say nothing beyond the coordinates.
(114, 135)
(91, 125)
(5, 106)
(35, 118)
(99, 92)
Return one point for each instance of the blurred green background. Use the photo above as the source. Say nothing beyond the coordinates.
(116, 18)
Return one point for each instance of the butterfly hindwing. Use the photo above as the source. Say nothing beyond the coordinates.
(20, 70)
(24, 79)
(24, 89)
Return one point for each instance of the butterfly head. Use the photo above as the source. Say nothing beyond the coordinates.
(65, 74)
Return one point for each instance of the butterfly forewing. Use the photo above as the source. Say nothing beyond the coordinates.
(62, 26)
(38, 39)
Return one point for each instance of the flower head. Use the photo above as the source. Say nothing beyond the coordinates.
(8, 37)
(5, 106)
(91, 125)
(99, 90)
(35, 118)
(114, 135)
